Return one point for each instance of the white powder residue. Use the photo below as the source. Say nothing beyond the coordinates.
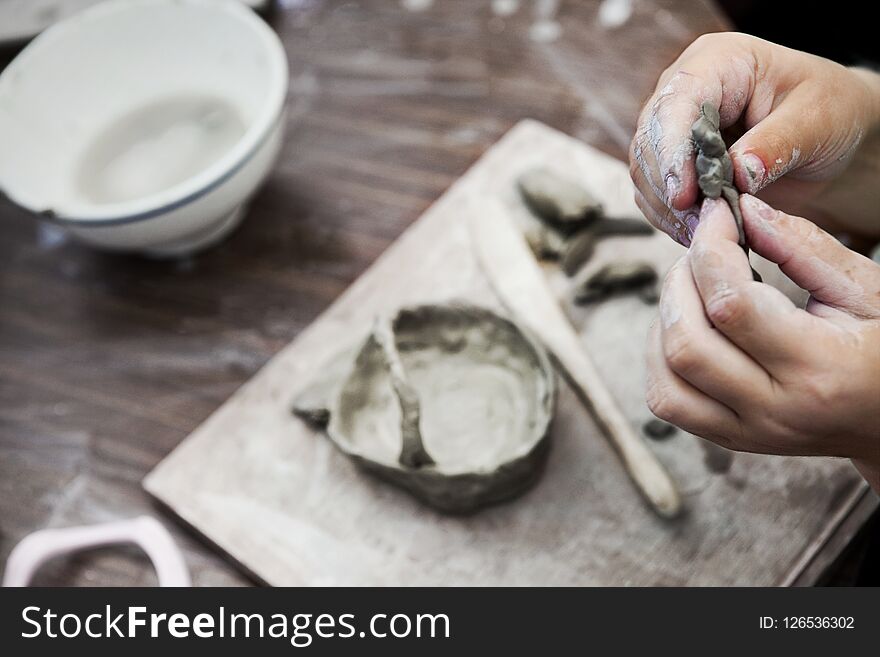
(655, 132)
(848, 153)
(614, 13)
(670, 313)
(416, 5)
(545, 29)
(682, 153)
(505, 7)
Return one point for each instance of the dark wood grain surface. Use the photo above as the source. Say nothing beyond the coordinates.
(107, 362)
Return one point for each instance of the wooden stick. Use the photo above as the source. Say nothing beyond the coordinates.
(519, 282)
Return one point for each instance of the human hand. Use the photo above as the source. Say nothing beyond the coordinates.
(736, 362)
(801, 116)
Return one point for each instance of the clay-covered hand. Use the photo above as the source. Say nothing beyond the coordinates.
(736, 362)
(810, 134)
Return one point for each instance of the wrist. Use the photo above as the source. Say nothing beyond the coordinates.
(849, 200)
(870, 82)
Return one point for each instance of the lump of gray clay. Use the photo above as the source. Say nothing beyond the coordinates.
(578, 250)
(580, 246)
(451, 402)
(617, 277)
(558, 200)
(566, 220)
(715, 168)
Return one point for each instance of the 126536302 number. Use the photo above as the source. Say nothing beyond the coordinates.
(819, 622)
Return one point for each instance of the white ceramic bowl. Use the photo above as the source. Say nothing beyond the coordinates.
(144, 125)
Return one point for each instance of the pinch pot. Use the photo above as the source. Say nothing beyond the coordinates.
(451, 402)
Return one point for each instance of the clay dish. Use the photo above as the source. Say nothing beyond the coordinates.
(452, 403)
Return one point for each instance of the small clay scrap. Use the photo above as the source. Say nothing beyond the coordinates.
(571, 222)
(578, 250)
(715, 168)
(580, 246)
(545, 242)
(613, 226)
(450, 402)
(649, 294)
(615, 278)
(658, 429)
(558, 200)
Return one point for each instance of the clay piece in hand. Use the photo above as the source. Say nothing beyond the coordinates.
(450, 402)
(615, 278)
(558, 200)
(715, 168)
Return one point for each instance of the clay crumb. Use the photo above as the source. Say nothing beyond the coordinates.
(615, 278)
(658, 429)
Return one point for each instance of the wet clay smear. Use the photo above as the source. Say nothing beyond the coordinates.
(715, 168)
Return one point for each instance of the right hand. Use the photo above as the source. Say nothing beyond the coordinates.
(735, 361)
(803, 117)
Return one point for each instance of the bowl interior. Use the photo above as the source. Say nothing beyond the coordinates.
(132, 104)
(485, 393)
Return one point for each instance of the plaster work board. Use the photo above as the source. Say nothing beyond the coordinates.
(290, 509)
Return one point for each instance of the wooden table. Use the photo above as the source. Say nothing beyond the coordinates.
(107, 362)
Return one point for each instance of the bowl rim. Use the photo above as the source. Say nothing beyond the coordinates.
(256, 135)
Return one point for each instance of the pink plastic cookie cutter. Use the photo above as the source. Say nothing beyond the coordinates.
(144, 532)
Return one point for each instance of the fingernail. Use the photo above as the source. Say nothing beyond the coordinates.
(756, 170)
(673, 186)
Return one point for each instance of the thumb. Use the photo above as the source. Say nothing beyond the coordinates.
(832, 274)
(797, 135)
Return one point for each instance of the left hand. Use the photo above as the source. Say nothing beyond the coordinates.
(736, 362)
